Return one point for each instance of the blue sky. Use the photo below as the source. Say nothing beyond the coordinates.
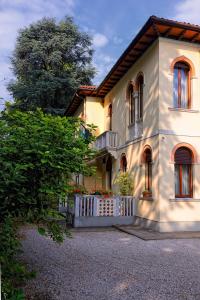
(111, 23)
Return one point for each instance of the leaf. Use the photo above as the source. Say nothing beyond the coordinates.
(42, 230)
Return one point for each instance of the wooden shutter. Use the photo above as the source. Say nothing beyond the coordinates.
(183, 156)
(147, 156)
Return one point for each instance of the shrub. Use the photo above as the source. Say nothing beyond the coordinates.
(125, 183)
(38, 155)
(13, 272)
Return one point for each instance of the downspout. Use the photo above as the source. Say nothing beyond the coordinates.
(84, 108)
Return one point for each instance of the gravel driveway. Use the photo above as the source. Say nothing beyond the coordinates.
(112, 265)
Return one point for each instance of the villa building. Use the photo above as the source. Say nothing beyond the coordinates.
(147, 113)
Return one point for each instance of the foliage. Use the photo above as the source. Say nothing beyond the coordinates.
(125, 182)
(79, 189)
(105, 193)
(51, 60)
(13, 272)
(38, 155)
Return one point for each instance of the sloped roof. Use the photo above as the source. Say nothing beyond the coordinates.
(154, 27)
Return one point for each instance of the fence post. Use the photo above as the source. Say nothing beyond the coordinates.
(76, 206)
(133, 205)
(117, 206)
(95, 206)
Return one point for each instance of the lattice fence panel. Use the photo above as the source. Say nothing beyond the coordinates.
(106, 207)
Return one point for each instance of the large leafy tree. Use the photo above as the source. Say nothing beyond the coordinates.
(38, 155)
(50, 61)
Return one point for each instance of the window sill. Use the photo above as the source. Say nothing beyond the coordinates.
(146, 198)
(183, 110)
(184, 200)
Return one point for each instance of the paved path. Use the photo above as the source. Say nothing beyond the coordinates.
(147, 234)
(112, 265)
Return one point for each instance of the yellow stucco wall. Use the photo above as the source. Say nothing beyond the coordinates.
(146, 208)
(177, 127)
(92, 110)
(171, 209)
(93, 183)
(164, 128)
(148, 64)
(95, 113)
(176, 120)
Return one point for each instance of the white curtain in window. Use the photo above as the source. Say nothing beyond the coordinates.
(184, 89)
(185, 180)
(175, 88)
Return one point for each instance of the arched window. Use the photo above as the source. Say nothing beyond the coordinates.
(110, 116)
(131, 104)
(148, 169)
(140, 85)
(182, 85)
(183, 172)
(123, 163)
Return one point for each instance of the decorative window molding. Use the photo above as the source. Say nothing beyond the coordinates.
(183, 59)
(131, 102)
(183, 158)
(182, 85)
(139, 88)
(123, 163)
(147, 161)
(188, 110)
(130, 84)
(185, 145)
(142, 160)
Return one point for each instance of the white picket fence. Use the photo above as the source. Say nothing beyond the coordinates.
(97, 206)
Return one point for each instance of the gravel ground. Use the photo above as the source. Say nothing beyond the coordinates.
(112, 265)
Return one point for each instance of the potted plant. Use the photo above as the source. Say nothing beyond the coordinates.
(107, 194)
(97, 193)
(125, 183)
(104, 193)
(79, 189)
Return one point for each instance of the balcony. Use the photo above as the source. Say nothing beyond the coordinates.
(108, 142)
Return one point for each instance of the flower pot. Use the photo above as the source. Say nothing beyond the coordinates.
(147, 194)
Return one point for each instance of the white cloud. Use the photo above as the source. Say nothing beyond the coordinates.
(16, 14)
(188, 11)
(99, 40)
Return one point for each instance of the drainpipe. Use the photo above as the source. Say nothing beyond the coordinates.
(84, 108)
